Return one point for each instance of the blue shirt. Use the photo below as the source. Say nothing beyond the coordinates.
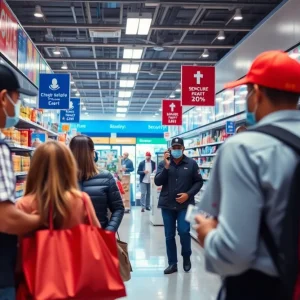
(128, 165)
(252, 172)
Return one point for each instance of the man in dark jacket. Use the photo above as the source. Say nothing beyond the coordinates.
(180, 180)
(146, 167)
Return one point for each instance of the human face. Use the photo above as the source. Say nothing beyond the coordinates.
(147, 158)
(7, 105)
(125, 155)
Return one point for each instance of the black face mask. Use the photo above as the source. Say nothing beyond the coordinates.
(96, 156)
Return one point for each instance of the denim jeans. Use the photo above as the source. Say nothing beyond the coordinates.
(170, 217)
(8, 293)
(145, 194)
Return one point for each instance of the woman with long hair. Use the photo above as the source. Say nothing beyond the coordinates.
(99, 185)
(52, 185)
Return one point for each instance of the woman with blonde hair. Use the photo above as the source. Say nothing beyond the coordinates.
(99, 185)
(52, 185)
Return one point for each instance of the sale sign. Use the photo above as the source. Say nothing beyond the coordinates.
(171, 112)
(198, 86)
(8, 33)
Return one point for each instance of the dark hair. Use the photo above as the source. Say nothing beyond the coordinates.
(82, 148)
(278, 96)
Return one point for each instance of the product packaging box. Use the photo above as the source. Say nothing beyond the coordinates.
(38, 138)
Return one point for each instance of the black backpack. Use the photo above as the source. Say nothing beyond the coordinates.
(286, 255)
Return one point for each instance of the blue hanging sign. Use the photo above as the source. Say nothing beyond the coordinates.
(71, 115)
(54, 91)
(230, 127)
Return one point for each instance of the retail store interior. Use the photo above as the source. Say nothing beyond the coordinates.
(120, 60)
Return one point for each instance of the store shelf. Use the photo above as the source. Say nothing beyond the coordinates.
(21, 173)
(26, 124)
(18, 148)
(205, 145)
(208, 155)
(203, 167)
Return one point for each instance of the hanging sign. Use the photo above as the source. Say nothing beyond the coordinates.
(54, 91)
(171, 112)
(71, 115)
(230, 127)
(198, 86)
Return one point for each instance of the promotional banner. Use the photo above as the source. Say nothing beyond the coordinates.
(171, 113)
(22, 51)
(230, 127)
(71, 115)
(197, 86)
(8, 33)
(54, 91)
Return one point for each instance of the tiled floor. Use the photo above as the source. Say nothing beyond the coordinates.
(148, 258)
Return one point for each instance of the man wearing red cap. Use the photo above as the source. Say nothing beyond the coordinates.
(146, 167)
(250, 183)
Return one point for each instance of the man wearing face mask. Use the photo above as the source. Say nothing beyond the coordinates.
(13, 222)
(250, 182)
(145, 169)
(180, 180)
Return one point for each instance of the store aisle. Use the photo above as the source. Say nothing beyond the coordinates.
(147, 253)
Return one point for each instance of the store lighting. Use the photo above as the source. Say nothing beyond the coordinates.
(123, 103)
(122, 109)
(178, 90)
(219, 99)
(205, 53)
(240, 101)
(156, 114)
(127, 83)
(125, 94)
(38, 13)
(72, 81)
(83, 108)
(77, 94)
(238, 15)
(64, 66)
(120, 115)
(221, 35)
(172, 96)
(130, 68)
(74, 90)
(86, 113)
(138, 24)
(132, 53)
(56, 51)
(160, 109)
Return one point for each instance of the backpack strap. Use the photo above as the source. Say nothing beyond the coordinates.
(293, 141)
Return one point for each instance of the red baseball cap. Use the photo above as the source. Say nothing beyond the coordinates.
(148, 154)
(273, 69)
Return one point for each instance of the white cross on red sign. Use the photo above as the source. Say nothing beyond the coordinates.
(198, 86)
(171, 112)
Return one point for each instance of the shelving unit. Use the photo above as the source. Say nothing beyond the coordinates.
(21, 173)
(205, 145)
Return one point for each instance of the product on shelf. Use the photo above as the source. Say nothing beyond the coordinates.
(20, 188)
(38, 138)
(20, 163)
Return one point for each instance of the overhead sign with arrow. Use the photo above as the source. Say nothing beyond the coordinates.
(171, 112)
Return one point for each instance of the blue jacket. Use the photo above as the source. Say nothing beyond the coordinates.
(129, 165)
(181, 178)
(142, 167)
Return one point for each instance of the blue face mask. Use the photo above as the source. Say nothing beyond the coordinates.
(250, 116)
(12, 121)
(176, 153)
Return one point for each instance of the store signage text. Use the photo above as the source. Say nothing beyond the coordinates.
(171, 112)
(71, 115)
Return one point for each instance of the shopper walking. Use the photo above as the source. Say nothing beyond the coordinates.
(249, 184)
(99, 185)
(180, 180)
(12, 221)
(146, 168)
(127, 164)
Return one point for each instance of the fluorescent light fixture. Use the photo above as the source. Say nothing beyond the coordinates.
(122, 109)
(72, 81)
(127, 83)
(74, 90)
(77, 94)
(178, 90)
(172, 96)
(125, 94)
(132, 53)
(205, 53)
(221, 35)
(123, 103)
(238, 15)
(156, 114)
(138, 24)
(64, 66)
(130, 68)
(81, 103)
(38, 13)
(240, 101)
(86, 113)
(56, 51)
(83, 108)
(120, 115)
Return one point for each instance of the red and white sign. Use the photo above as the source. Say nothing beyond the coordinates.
(8, 33)
(198, 86)
(171, 112)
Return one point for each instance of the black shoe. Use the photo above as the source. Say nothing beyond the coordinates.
(187, 265)
(143, 210)
(171, 269)
(148, 208)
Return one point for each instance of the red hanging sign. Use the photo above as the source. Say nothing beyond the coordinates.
(8, 33)
(198, 86)
(171, 112)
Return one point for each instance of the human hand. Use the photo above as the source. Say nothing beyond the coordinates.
(167, 159)
(146, 171)
(204, 226)
(183, 197)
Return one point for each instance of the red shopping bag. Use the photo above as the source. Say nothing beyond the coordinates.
(79, 263)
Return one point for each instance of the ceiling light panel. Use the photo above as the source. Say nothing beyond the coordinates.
(132, 53)
(130, 68)
(122, 109)
(125, 83)
(123, 103)
(138, 24)
(120, 115)
(125, 94)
